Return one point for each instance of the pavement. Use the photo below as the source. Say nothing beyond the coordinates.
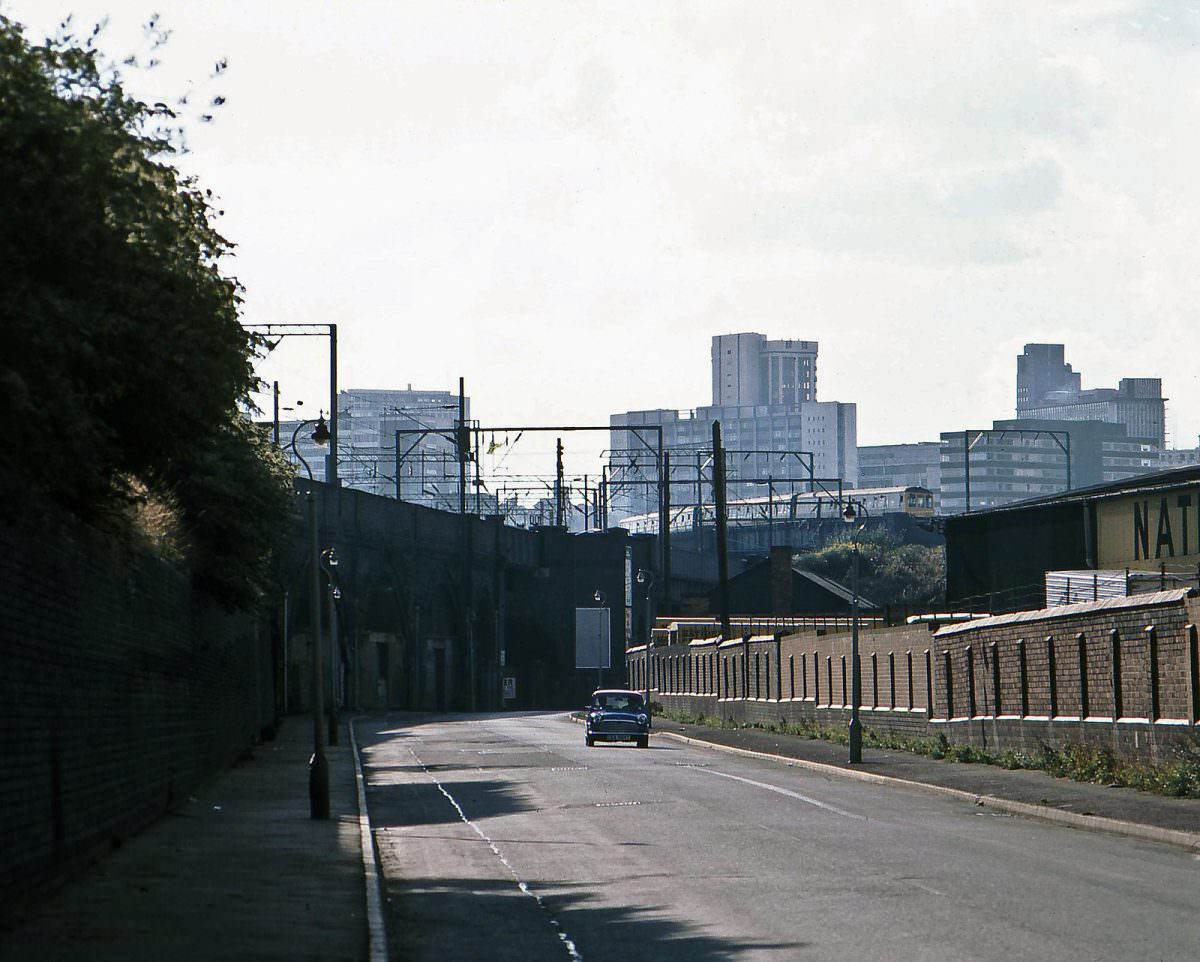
(241, 872)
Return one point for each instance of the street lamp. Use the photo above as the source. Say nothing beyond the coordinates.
(646, 577)
(318, 768)
(851, 515)
(329, 562)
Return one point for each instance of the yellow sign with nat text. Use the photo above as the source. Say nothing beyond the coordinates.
(1146, 531)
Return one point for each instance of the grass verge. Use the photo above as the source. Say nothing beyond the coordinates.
(1178, 778)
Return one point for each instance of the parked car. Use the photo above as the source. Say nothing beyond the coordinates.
(617, 715)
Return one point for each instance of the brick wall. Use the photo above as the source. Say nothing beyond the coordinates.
(1123, 673)
(121, 690)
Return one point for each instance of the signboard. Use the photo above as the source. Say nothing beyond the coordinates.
(593, 645)
(1145, 531)
(510, 688)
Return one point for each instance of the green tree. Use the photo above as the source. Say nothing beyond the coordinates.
(122, 362)
(890, 573)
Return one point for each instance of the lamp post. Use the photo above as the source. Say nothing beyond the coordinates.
(318, 768)
(329, 562)
(851, 516)
(646, 577)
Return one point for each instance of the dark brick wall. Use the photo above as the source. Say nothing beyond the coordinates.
(121, 690)
(1045, 677)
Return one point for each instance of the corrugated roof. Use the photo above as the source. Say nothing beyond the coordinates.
(1149, 600)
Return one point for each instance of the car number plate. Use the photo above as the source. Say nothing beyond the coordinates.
(614, 738)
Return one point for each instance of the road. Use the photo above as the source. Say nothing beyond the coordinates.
(504, 838)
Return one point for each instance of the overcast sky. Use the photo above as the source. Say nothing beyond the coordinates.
(563, 202)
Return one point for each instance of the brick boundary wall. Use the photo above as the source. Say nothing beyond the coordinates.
(121, 689)
(1122, 674)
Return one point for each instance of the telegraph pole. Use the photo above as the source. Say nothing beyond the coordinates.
(463, 439)
(665, 529)
(558, 485)
(718, 484)
(331, 470)
(464, 447)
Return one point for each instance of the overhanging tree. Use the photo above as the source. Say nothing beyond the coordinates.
(122, 362)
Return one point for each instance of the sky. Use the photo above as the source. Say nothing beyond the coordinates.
(563, 202)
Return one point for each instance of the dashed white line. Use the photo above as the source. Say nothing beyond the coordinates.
(566, 940)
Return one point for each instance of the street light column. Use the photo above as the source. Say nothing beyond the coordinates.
(851, 516)
(646, 577)
(855, 675)
(318, 769)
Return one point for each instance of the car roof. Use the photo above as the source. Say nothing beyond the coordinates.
(616, 691)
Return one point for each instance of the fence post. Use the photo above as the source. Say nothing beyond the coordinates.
(928, 684)
(970, 653)
(1023, 671)
(845, 701)
(908, 659)
(816, 679)
(1081, 646)
(1193, 676)
(997, 707)
(892, 680)
(874, 680)
(1118, 707)
(779, 668)
(792, 675)
(1051, 671)
(1152, 652)
(949, 668)
(829, 679)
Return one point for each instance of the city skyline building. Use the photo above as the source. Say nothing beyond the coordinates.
(369, 422)
(749, 369)
(1048, 388)
(774, 430)
(1021, 458)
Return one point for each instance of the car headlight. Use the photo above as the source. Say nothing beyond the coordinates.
(642, 719)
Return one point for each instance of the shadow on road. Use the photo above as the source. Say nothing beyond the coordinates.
(422, 803)
(493, 920)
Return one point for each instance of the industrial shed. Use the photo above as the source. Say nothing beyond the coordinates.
(996, 560)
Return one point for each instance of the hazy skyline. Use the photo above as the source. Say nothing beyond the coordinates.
(563, 202)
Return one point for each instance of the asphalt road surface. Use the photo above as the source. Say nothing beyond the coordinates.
(505, 838)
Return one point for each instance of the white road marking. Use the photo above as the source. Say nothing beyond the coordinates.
(565, 939)
(784, 791)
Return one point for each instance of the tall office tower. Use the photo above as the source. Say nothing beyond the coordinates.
(1048, 389)
(1041, 370)
(749, 370)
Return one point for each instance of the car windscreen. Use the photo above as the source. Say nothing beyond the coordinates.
(618, 702)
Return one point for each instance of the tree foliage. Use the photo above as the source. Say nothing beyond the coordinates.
(122, 362)
(890, 573)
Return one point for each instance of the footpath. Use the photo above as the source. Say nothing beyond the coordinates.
(239, 872)
(1122, 811)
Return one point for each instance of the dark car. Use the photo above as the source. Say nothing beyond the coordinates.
(617, 715)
